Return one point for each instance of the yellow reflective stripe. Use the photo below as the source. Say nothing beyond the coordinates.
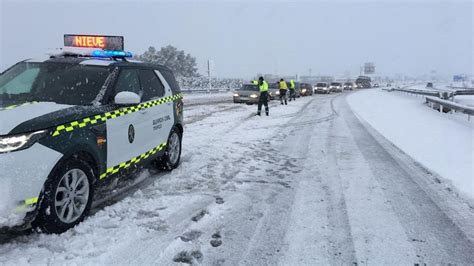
(25, 204)
(132, 162)
(31, 201)
(113, 114)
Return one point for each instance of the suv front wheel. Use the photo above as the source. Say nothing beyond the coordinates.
(67, 197)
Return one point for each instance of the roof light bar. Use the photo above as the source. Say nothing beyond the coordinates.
(108, 54)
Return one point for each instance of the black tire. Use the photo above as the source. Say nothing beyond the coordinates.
(166, 160)
(48, 219)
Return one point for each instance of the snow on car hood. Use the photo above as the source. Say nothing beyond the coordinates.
(13, 116)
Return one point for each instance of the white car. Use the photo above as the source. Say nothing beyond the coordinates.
(321, 87)
(335, 87)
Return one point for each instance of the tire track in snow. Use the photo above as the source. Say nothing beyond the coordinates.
(435, 237)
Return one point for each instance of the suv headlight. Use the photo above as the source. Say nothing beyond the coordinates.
(21, 141)
(236, 95)
(253, 96)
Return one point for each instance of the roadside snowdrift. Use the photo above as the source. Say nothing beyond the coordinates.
(441, 142)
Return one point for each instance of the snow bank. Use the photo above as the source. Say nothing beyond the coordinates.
(441, 142)
(465, 100)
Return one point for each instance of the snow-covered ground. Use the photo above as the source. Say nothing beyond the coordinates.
(441, 142)
(309, 185)
(206, 98)
(465, 100)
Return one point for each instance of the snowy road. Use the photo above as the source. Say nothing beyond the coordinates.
(311, 184)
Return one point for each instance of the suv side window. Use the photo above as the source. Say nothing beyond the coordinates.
(151, 85)
(128, 81)
(168, 75)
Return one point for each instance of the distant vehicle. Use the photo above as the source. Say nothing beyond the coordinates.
(248, 93)
(348, 86)
(335, 86)
(321, 87)
(429, 85)
(363, 82)
(389, 84)
(306, 89)
(376, 85)
(273, 91)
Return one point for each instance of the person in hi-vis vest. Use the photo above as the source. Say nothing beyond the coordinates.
(263, 86)
(292, 90)
(283, 89)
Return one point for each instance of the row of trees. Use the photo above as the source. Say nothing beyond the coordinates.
(182, 64)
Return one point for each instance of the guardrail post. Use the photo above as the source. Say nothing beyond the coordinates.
(440, 108)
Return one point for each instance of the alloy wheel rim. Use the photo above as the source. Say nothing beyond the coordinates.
(72, 195)
(174, 148)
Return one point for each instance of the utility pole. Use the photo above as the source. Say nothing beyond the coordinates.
(310, 72)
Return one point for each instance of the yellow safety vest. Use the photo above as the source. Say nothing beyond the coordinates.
(292, 84)
(264, 86)
(283, 85)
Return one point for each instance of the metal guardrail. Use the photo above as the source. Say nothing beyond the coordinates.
(451, 106)
(460, 88)
(464, 92)
(439, 99)
(439, 94)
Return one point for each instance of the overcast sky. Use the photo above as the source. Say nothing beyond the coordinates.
(245, 38)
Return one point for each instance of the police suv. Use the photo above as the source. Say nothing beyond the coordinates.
(77, 124)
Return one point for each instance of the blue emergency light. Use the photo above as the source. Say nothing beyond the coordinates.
(108, 54)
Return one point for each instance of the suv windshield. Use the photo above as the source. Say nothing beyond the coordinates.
(336, 84)
(62, 83)
(249, 87)
(321, 85)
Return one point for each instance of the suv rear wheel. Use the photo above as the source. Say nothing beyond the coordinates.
(172, 156)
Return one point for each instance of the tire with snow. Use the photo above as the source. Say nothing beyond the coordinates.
(67, 197)
(172, 156)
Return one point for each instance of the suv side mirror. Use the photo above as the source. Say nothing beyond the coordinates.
(127, 98)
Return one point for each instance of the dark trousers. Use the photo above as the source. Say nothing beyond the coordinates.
(292, 94)
(283, 96)
(263, 100)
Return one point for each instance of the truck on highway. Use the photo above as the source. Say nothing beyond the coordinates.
(363, 82)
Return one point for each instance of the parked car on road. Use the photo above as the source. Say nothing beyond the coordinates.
(306, 89)
(348, 86)
(77, 126)
(248, 93)
(321, 87)
(335, 87)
